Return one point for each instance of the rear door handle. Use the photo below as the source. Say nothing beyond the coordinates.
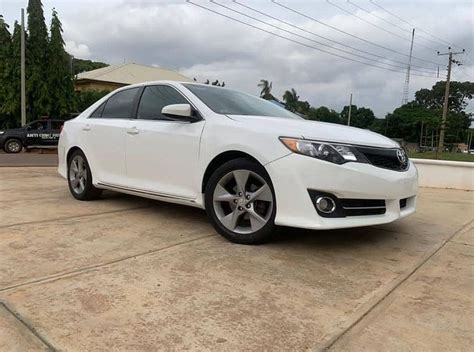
(133, 130)
(86, 127)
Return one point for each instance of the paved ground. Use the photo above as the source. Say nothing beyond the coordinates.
(33, 158)
(125, 273)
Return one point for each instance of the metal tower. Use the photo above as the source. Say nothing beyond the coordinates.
(407, 77)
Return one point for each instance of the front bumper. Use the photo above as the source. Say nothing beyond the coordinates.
(293, 175)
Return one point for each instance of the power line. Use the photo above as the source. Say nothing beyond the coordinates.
(295, 41)
(377, 26)
(363, 19)
(393, 24)
(323, 37)
(411, 25)
(312, 40)
(349, 34)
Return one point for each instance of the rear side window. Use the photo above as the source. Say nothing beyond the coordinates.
(98, 112)
(154, 98)
(120, 105)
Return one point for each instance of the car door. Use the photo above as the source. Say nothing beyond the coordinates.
(162, 153)
(56, 126)
(35, 132)
(104, 137)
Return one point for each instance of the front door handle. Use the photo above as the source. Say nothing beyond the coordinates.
(133, 130)
(86, 127)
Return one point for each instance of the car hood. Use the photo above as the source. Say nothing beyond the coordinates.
(315, 130)
(10, 130)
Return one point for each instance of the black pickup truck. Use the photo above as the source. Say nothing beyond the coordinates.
(36, 134)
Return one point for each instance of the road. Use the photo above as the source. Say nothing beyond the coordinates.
(125, 273)
(28, 159)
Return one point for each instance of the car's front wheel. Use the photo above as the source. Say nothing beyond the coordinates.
(13, 146)
(240, 202)
(80, 177)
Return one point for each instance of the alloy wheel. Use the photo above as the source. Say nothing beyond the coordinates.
(243, 201)
(14, 146)
(78, 174)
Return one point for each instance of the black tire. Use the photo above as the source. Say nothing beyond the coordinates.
(89, 192)
(261, 235)
(13, 145)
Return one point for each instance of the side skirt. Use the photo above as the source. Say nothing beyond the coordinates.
(151, 195)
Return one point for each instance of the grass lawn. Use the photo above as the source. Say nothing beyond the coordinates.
(443, 156)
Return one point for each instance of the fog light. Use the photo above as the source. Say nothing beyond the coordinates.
(325, 205)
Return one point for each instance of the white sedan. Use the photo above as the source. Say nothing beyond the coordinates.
(250, 163)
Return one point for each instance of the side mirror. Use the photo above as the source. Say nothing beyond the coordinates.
(179, 111)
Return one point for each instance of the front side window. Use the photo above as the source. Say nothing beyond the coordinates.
(230, 102)
(154, 98)
(38, 125)
(120, 105)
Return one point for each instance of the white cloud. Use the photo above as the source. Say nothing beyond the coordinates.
(200, 44)
(77, 50)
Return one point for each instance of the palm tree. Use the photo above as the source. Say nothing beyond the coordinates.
(291, 99)
(266, 89)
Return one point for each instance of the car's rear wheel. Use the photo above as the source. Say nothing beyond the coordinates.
(13, 146)
(240, 202)
(80, 177)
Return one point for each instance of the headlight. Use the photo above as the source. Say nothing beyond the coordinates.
(332, 152)
(2, 132)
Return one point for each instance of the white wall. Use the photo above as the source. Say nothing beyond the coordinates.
(445, 174)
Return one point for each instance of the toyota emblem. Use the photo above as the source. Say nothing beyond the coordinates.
(402, 157)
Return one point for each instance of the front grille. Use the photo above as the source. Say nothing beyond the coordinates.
(403, 203)
(359, 207)
(392, 159)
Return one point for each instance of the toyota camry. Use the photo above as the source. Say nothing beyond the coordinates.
(251, 164)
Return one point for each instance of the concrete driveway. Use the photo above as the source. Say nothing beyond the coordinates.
(125, 273)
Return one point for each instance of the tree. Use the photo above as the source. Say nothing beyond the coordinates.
(5, 63)
(37, 61)
(60, 84)
(360, 117)
(14, 100)
(79, 65)
(88, 97)
(459, 94)
(291, 99)
(378, 126)
(324, 114)
(405, 121)
(266, 87)
(9, 75)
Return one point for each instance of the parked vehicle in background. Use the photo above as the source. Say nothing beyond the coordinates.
(36, 134)
(249, 163)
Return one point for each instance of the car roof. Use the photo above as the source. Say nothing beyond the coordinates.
(150, 83)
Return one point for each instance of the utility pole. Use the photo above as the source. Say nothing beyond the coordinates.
(23, 81)
(350, 110)
(407, 77)
(446, 97)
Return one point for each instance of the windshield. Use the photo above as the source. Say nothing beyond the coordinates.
(231, 102)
